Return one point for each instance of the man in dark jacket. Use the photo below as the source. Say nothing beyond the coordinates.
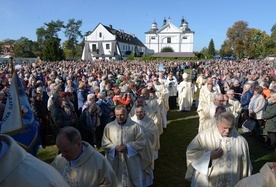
(59, 118)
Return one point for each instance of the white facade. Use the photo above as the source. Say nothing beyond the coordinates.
(107, 43)
(180, 39)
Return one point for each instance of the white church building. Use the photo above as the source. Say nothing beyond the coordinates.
(180, 39)
(105, 42)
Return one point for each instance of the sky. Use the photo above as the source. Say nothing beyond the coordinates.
(208, 19)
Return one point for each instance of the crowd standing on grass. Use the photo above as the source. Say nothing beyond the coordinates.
(103, 98)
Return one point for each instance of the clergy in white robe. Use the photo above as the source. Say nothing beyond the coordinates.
(79, 161)
(162, 107)
(123, 142)
(218, 156)
(207, 112)
(153, 109)
(151, 132)
(185, 94)
(236, 106)
(19, 168)
(200, 80)
(265, 178)
(152, 113)
(171, 85)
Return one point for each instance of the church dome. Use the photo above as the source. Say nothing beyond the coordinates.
(154, 25)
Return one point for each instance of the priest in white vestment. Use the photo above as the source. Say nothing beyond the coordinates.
(218, 156)
(151, 133)
(79, 161)
(151, 112)
(207, 112)
(236, 106)
(185, 94)
(123, 142)
(162, 94)
(265, 178)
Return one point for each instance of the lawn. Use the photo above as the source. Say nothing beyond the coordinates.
(170, 167)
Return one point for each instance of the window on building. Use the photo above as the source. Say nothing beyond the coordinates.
(184, 37)
(94, 47)
(123, 47)
(107, 46)
(169, 40)
(100, 34)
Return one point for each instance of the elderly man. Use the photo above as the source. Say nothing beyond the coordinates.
(59, 118)
(218, 156)
(18, 168)
(207, 113)
(79, 163)
(151, 133)
(123, 142)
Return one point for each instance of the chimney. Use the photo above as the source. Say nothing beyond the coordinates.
(110, 26)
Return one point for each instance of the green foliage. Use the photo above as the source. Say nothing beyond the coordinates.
(237, 37)
(130, 57)
(51, 50)
(148, 58)
(167, 49)
(72, 32)
(240, 41)
(211, 49)
(24, 47)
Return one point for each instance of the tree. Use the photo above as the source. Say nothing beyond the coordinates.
(211, 48)
(226, 49)
(53, 28)
(51, 49)
(167, 49)
(72, 32)
(203, 53)
(255, 44)
(24, 47)
(237, 37)
(270, 44)
(41, 35)
(47, 36)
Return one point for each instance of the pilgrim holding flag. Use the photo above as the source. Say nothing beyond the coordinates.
(18, 120)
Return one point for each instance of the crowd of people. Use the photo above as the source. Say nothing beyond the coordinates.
(121, 107)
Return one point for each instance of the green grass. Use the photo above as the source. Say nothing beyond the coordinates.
(170, 167)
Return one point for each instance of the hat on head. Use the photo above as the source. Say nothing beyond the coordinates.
(185, 75)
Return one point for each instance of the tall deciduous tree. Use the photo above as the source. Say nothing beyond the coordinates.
(226, 49)
(255, 44)
(72, 32)
(237, 37)
(270, 44)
